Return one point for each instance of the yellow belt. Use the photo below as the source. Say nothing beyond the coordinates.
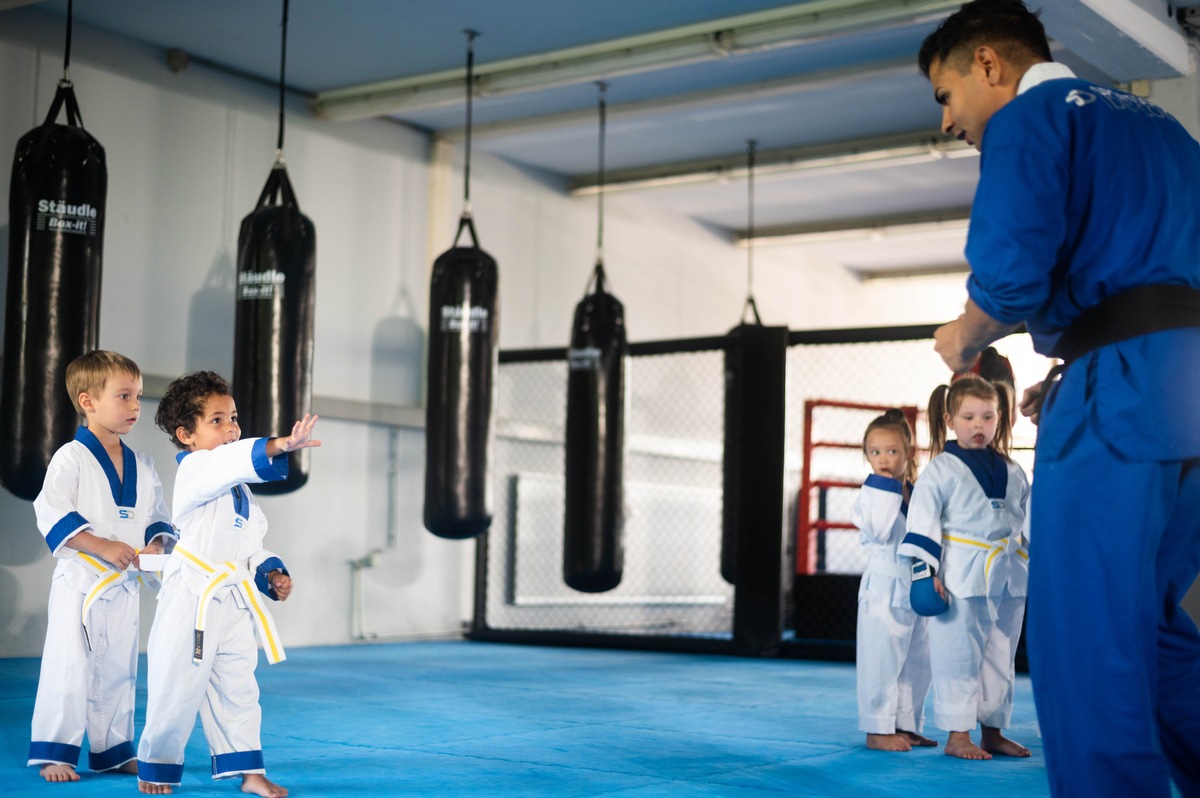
(107, 578)
(995, 549)
(219, 575)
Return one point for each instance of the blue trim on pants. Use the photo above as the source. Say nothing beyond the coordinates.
(55, 752)
(236, 763)
(114, 757)
(160, 772)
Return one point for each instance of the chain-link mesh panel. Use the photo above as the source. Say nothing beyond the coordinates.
(671, 583)
(674, 431)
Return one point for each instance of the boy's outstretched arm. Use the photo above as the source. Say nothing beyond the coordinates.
(299, 439)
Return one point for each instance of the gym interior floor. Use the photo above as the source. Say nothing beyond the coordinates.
(483, 719)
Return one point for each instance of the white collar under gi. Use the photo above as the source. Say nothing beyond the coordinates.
(1038, 73)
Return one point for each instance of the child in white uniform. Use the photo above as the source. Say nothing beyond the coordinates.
(967, 521)
(202, 653)
(100, 504)
(892, 658)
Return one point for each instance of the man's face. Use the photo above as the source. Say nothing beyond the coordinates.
(968, 99)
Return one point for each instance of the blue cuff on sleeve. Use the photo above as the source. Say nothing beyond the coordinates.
(159, 528)
(66, 525)
(923, 543)
(267, 469)
(260, 575)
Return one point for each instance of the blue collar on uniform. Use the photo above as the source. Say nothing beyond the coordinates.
(988, 467)
(124, 491)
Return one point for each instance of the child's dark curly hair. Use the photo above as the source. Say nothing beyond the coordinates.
(182, 404)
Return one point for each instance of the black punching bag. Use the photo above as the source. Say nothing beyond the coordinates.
(731, 497)
(463, 327)
(52, 316)
(273, 329)
(593, 551)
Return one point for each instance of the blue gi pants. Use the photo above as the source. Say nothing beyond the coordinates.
(1115, 661)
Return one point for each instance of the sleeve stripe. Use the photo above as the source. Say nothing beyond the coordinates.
(68, 525)
(923, 543)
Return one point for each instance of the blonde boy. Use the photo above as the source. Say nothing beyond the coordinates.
(100, 504)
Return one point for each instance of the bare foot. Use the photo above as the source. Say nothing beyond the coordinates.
(918, 739)
(888, 742)
(52, 772)
(994, 742)
(150, 788)
(128, 767)
(258, 784)
(960, 745)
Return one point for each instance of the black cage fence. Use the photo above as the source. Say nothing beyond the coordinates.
(672, 594)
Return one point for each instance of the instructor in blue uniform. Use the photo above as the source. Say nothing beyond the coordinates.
(1086, 227)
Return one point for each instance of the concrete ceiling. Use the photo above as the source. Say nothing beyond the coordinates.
(845, 127)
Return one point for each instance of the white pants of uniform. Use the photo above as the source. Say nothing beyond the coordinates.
(221, 687)
(892, 667)
(973, 661)
(82, 688)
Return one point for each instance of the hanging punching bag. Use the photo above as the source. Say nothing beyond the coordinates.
(463, 327)
(273, 326)
(593, 551)
(52, 316)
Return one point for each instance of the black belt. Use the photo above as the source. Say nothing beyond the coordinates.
(1129, 314)
(1132, 313)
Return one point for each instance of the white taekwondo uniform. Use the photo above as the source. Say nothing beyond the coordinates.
(202, 652)
(89, 663)
(892, 660)
(967, 519)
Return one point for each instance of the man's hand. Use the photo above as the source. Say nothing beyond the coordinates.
(960, 342)
(1031, 402)
(947, 343)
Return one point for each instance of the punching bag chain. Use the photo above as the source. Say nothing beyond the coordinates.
(598, 273)
(66, 78)
(282, 85)
(751, 145)
(470, 34)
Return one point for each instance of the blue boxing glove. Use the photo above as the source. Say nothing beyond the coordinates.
(923, 595)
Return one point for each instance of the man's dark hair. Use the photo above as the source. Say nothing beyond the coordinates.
(1008, 26)
(182, 404)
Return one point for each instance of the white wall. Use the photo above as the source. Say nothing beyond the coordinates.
(187, 155)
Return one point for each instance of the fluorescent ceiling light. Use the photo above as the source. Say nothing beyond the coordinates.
(774, 28)
(877, 153)
(907, 227)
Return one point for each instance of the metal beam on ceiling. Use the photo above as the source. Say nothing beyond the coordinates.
(752, 92)
(788, 26)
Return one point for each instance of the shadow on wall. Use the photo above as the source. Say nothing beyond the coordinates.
(211, 319)
(397, 355)
(22, 616)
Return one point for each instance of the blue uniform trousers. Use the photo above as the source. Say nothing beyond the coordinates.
(1115, 661)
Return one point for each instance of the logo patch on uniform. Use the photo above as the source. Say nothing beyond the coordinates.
(198, 645)
(997, 504)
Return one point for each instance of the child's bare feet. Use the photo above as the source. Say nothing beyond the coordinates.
(888, 742)
(52, 772)
(150, 788)
(994, 742)
(258, 784)
(128, 767)
(960, 745)
(918, 739)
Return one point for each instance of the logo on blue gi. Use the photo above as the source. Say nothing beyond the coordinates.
(1080, 98)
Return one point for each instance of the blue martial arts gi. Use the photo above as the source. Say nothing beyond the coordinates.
(1086, 192)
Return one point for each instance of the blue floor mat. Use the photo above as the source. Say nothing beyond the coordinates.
(484, 719)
